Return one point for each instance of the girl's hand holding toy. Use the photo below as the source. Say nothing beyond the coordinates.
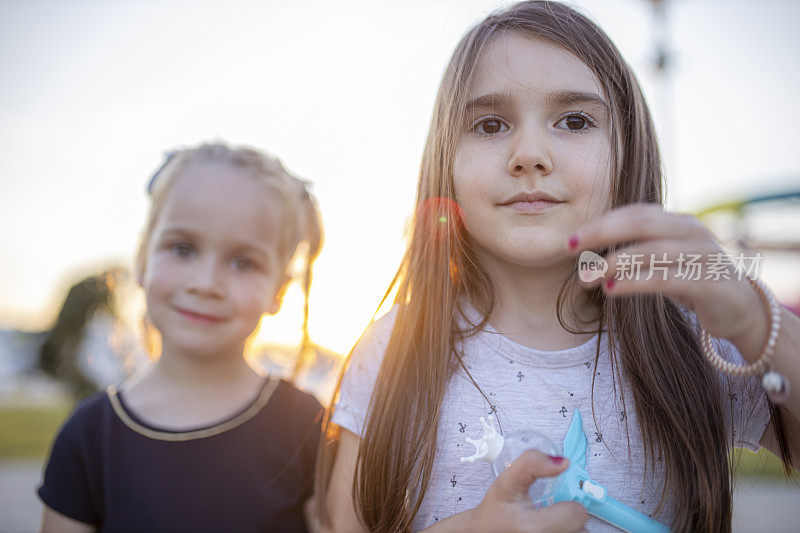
(508, 507)
(573, 484)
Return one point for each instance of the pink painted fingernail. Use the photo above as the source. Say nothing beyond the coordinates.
(573, 242)
(556, 459)
(609, 283)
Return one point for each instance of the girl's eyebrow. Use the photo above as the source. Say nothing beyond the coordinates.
(248, 248)
(176, 231)
(505, 98)
(491, 100)
(578, 97)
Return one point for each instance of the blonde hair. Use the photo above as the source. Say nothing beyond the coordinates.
(301, 233)
(658, 350)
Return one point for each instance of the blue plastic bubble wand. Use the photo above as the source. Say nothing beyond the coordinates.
(574, 484)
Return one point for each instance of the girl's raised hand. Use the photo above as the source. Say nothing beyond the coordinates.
(508, 507)
(674, 254)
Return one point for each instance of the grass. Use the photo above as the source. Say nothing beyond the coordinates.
(761, 464)
(27, 432)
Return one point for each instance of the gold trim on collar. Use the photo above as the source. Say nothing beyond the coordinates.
(179, 436)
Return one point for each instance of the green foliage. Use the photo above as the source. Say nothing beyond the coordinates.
(58, 355)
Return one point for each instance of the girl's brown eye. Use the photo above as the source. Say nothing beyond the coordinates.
(576, 122)
(490, 126)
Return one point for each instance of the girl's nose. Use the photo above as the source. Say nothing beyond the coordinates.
(205, 279)
(530, 153)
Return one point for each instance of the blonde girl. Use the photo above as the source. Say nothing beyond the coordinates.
(542, 147)
(201, 442)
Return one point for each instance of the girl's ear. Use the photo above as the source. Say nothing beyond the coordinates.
(138, 267)
(277, 300)
(275, 305)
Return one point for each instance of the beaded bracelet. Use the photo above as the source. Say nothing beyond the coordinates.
(775, 385)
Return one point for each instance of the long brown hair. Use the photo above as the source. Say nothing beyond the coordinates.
(653, 343)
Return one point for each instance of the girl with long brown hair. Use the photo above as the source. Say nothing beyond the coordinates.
(542, 148)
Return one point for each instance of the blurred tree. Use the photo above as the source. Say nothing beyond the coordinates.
(58, 355)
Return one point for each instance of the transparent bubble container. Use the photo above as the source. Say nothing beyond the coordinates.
(515, 444)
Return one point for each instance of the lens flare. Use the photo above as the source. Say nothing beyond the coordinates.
(439, 217)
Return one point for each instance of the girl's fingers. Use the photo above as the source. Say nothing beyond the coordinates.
(722, 305)
(563, 516)
(513, 483)
(691, 260)
(635, 222)
(680, 288)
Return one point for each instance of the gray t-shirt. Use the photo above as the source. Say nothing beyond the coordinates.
(536, 389)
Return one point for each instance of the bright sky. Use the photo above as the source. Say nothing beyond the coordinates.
(93, 93)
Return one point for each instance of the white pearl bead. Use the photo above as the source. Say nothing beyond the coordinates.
(776, 386)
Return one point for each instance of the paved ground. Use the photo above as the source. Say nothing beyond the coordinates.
(766, 506)
(759, 506)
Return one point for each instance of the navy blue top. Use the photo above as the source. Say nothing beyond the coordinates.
(251, 472)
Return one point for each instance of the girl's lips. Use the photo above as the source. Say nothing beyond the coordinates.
(198, 317)
(536, 206)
